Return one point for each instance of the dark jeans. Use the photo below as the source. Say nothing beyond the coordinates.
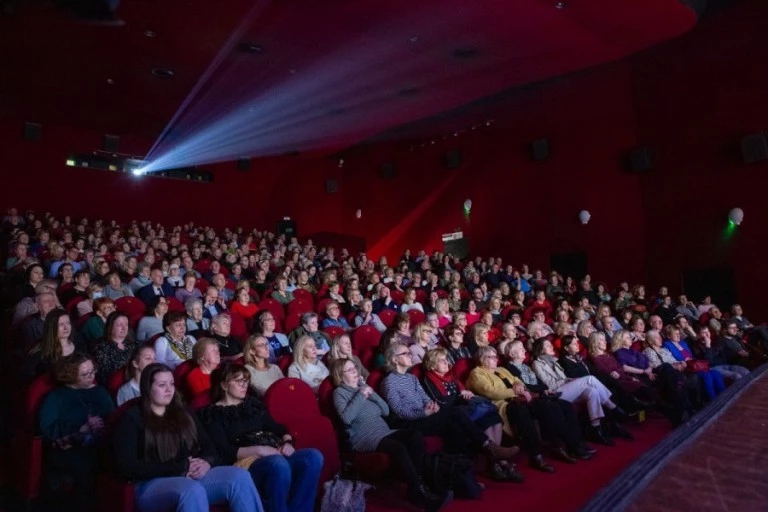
(288, 484)
(678, 389)
(519, 417)
(558, 421)
(459, 433)
(78, 463)
(406, 448)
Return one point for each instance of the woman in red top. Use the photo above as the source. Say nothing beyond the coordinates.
(206, 354)
(242, 304)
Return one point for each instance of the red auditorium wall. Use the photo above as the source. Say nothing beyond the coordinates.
(691, 100)
(521, 209)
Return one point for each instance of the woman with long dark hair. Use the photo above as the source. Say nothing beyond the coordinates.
(162, 447)
(115, 350)
(246, 435)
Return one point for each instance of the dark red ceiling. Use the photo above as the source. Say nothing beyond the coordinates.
(56, 70)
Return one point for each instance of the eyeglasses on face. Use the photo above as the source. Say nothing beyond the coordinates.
(243, 381)
(403, 354)
(89, 373)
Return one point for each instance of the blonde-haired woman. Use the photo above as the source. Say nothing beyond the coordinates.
(443, 312)
(447, 391)
(510, 397)
(306, 365)
(263, 373)
(586, 390)
(477, 337)
(622, 383)
(341, 348)
(421, 336)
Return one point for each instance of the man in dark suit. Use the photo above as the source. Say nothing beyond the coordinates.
(158, 287)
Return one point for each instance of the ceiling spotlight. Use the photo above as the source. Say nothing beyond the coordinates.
(110, 81)
(455, 134)
(150, 33)
(341, 162)
(251, 48)
(560, 4)
(413, 39)
(138, 172)
(163, 72)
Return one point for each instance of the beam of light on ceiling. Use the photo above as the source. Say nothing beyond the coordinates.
(236, 111)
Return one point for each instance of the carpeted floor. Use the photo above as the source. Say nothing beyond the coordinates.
(723, 469)
(566, 490)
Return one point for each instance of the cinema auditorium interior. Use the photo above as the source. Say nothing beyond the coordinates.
(296, 256)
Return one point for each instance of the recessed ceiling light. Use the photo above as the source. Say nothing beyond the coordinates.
(110, 81)
(413, 39)
(150, 33)
(248, 47)
(163, 72)
(561, 4)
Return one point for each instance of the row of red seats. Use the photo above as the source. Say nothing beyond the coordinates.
(290, 401)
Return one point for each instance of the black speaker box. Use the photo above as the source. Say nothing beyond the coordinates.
(452, 159)
(459, 248)
(540, 149)
(640, 160)
(110, 143)
(243, 164)
(331, 186)
(754, 148)
(286, 227)
(33, 132)
(388, 170)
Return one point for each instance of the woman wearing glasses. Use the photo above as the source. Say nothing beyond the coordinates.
(509, 395)
(412, 407)
(362, 411)
(72, 420)
(246, 435)
(447, 391)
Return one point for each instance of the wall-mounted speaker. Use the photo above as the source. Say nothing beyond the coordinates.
(452, 159)
(287, 227)
(33, 132)
(640, 160)
(110, 143)
(388, 171)
(243, 164)
(331, 186)
(754, 148)
(540, 149)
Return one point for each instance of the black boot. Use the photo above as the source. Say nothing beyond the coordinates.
(563, 455)
(619, 431)
(538, 462)
(597, 435)
(618, 414)
(422, 497)
(586, 448)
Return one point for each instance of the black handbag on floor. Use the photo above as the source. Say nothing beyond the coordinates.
(444, 472)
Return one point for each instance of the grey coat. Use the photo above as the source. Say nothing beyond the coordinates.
(364, 418)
